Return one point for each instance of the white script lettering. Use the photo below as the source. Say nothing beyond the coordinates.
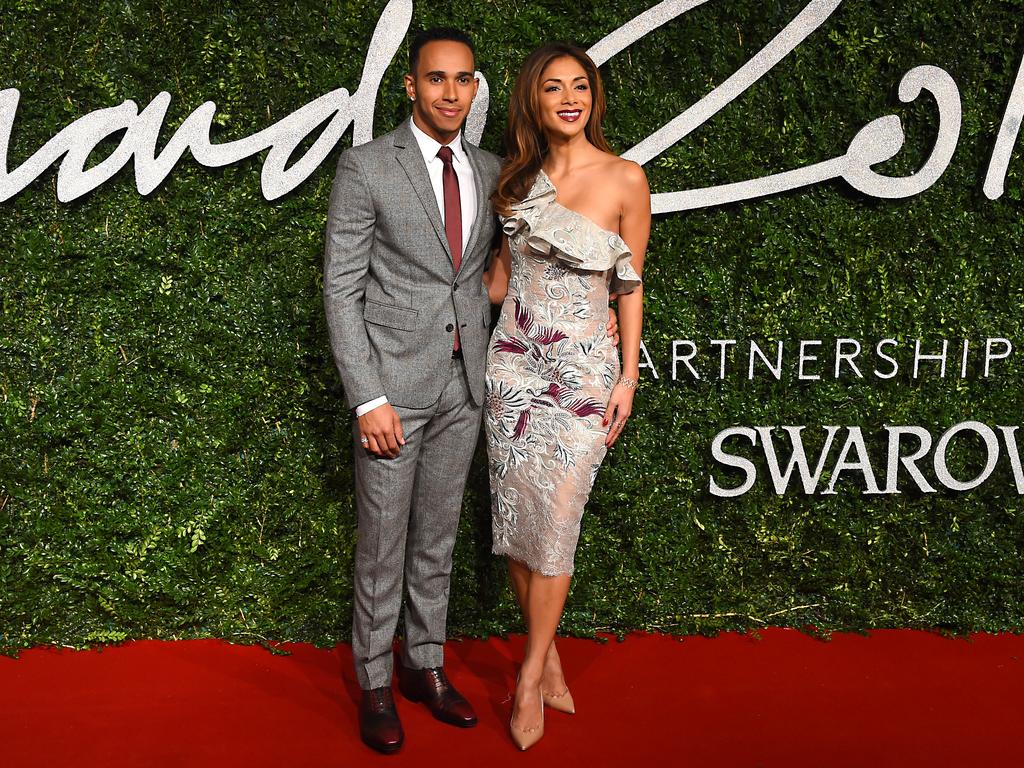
(879, 140)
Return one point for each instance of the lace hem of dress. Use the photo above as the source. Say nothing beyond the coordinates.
(556, 236)
(535, 565)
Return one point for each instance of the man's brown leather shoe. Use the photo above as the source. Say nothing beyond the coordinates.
(431, 687)
(379, 725)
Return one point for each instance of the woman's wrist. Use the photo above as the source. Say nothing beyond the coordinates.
(629, 382)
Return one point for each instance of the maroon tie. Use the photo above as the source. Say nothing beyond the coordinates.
(452, 213)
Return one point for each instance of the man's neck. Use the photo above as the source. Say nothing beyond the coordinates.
(442, 139)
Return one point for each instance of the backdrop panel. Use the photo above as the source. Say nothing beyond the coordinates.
(175, 456)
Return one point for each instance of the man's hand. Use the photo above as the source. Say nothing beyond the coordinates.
(383, 430)
(613, 325)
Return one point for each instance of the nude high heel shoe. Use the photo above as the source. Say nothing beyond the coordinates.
(525, 738)
(560, 702)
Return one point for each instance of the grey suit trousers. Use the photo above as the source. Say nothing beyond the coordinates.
(408, 511)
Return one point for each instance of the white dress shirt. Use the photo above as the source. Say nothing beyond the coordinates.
(463, 171)
(467, 197)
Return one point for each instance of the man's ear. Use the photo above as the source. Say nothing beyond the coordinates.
(410, 87)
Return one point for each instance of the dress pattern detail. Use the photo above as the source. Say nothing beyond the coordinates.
(550, 371)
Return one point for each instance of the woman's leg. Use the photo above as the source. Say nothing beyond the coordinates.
(519, 575)
(545, 599)
(553, 680)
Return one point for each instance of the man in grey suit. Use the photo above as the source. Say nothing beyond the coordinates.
(409, 230)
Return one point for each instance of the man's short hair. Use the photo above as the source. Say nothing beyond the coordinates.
(432, 34)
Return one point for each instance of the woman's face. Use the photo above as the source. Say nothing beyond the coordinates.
(565, 98)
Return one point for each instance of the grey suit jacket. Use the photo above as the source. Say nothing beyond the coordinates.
(391, 294)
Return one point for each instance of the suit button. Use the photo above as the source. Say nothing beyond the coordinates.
(449, 327)
(455, 287)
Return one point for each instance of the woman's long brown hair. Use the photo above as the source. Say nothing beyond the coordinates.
(525, 142)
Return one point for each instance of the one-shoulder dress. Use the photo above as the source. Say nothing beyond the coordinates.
(550, 370)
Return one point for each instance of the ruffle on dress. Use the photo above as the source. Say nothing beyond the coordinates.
(551, 229)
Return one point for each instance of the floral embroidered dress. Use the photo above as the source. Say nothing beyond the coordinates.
(550, 371)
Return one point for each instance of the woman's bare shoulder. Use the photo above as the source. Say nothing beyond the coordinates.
(630, 174)
(618, 171)
(624, 174)
(626, 181)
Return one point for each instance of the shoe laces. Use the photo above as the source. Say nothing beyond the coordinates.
(440, 680)
(380, 699)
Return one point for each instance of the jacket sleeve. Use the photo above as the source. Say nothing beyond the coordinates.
(349, 242)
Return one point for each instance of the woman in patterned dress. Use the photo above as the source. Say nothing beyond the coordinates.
(576, 219)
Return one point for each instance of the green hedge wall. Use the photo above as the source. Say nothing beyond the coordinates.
(175, 454)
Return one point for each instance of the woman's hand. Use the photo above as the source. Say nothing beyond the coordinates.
(620, 406)
(613, 326)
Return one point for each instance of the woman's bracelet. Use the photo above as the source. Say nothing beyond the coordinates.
(627, 382)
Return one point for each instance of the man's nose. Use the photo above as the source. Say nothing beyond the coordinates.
(450, 93)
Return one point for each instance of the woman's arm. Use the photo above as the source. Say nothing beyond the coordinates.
(635, 229)
(496, 278)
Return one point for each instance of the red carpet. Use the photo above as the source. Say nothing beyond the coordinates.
(895, 698)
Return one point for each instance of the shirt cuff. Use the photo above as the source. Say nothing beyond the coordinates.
(370, 405)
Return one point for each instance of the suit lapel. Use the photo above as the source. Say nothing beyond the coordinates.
(483, 204)
(411, 160)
